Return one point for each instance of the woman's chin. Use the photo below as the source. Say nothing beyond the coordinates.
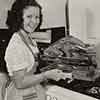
(30, 30)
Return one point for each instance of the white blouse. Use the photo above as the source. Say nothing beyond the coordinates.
(18, 56)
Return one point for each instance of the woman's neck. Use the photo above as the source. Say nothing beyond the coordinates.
(25, 35)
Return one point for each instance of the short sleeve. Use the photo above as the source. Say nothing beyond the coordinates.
(15, 58)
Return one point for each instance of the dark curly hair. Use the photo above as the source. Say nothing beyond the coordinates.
(14, 20)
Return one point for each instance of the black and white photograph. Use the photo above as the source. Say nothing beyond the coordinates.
(49, 50)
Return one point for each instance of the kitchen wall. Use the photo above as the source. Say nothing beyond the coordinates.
(5, 5)
(85, 20)
(84, 17)
(53, 12)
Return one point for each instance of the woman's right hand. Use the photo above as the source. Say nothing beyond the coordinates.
(54, 74)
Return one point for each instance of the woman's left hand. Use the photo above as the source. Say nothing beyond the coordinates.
(58, 75)
(65, 75)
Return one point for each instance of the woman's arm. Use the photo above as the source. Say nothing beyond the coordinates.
(25, 80)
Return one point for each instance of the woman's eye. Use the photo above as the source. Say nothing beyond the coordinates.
(30, 16)
(35, 17)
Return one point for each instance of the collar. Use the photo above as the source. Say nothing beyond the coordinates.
(28, 38)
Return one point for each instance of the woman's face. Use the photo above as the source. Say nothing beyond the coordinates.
(31, 18)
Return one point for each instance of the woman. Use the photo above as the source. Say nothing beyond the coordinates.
(21, 53)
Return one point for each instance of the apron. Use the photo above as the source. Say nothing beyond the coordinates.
(37, 92)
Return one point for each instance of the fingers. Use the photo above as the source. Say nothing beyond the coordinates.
(57, 79)
(57, 74)
(67, 75)
(63, 76)
(57, 70)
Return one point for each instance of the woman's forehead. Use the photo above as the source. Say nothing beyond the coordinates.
(31, 10)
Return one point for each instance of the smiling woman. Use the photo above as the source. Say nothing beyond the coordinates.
(22, 53)
(31, 19)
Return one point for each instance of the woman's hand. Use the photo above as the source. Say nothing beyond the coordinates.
(55, 74)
